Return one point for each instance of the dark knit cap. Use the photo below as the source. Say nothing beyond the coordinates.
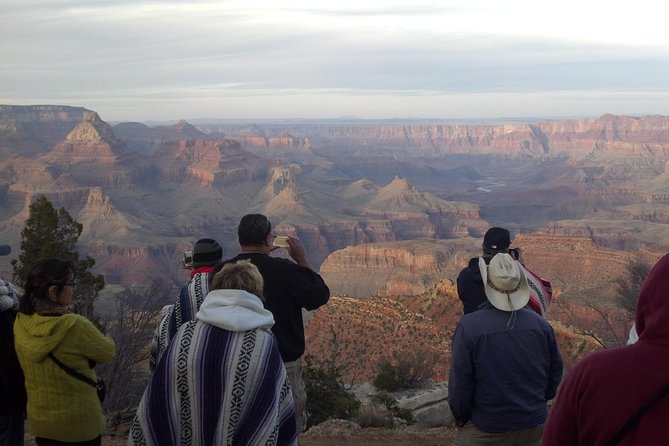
(207, 250)
(497, 238)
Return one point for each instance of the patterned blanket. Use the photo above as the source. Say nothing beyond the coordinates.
(541, 292)
(216, 387)
(186, 306)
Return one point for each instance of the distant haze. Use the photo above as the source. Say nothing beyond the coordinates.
(257, 59)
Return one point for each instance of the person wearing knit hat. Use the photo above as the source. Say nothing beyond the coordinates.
(505, 363)
(207, 252)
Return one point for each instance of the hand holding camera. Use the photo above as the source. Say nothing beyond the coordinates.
(187, 260)
(295, 249)
(280, 241)
(516, 254)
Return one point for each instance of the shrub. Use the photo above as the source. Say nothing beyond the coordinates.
(136, 316)
(387, 379)
(327, 398)
(411, 369)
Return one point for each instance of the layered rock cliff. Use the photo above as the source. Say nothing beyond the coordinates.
(576, 266)
(32, 129)
(339, 185)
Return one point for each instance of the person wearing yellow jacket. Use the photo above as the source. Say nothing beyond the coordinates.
(61, 408)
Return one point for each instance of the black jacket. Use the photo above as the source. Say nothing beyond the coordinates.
(288, 288)
(12, 390)
(470, 286)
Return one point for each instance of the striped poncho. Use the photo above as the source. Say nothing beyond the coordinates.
(220, 382)
(187, 304)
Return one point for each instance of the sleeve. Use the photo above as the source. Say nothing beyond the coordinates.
(555, 367)
(309, 289)
(561, 428)
(461, 378)
(94, 344)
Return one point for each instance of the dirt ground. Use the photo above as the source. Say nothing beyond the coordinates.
(335, 434)
(382, 437)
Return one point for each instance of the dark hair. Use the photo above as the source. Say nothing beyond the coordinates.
(253, 229)
(488, 252)
(43, 274)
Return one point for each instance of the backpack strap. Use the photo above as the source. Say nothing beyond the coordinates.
(634, 419)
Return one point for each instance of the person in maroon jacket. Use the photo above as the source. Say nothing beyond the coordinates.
(289, 287)
(620, 395)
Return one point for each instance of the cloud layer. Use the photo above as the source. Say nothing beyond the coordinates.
(141, 60)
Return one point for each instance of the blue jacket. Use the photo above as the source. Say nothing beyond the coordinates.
(503, 370)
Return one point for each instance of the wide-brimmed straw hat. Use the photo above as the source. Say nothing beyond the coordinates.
(504, 282)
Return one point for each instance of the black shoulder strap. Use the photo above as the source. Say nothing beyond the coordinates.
(72, 372)
(634, 419)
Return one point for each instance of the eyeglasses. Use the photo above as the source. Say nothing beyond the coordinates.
(72, 284)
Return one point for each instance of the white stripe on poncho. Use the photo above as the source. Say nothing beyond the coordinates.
(184, 309)
(218, 387)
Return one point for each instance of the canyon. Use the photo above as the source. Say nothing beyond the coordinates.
(388, 211)
(146, 193)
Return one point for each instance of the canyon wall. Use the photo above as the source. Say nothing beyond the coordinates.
(150, 192)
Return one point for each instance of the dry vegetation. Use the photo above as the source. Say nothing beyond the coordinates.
(356, 334)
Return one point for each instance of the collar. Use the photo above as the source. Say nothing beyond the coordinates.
(202, 269)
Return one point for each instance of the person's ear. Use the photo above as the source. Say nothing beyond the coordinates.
(52, 293)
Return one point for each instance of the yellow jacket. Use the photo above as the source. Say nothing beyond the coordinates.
(61, 407)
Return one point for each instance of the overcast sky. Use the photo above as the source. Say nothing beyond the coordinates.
(167, 60)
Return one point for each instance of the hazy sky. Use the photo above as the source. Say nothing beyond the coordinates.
(162, 60)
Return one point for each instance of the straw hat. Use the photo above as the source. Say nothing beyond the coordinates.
(504, 282)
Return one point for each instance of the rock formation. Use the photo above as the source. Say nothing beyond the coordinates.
(337, 185)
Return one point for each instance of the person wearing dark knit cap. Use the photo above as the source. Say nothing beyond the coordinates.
(207, 253)
(470, 285)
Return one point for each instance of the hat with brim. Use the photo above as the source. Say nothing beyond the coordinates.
(504, 282)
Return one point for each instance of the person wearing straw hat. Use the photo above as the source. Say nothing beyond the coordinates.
(470, 284)
(505, 363)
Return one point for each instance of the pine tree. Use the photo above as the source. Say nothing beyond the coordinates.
(51, 233)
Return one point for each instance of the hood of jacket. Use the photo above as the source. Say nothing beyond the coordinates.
(9, 298)
(38, 335)
(652, 310)
(234, 310)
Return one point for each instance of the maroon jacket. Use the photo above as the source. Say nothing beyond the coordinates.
(603, 390)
